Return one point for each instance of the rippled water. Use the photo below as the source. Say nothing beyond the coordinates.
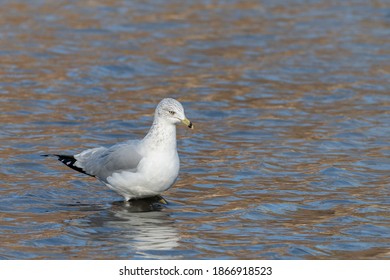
(290, 100)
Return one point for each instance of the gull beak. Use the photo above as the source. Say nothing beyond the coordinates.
(187, 123)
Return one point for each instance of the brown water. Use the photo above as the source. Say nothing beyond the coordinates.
(290, 100)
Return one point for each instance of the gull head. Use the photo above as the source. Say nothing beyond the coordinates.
(172, 111)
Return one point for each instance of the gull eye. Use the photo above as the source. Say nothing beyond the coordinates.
(172, 112)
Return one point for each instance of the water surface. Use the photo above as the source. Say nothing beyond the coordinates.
(290, 101)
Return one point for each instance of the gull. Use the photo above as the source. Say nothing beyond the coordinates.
(137, 169)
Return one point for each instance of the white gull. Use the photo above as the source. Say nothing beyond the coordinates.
(137, 168)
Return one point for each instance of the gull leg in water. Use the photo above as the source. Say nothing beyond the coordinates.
(137, 168)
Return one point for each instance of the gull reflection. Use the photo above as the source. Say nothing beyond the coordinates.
(139, 225)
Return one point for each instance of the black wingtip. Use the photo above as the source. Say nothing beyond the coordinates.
(68, 161)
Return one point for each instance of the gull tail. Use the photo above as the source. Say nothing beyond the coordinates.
(68, 161)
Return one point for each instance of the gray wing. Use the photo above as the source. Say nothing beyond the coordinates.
(103, 162)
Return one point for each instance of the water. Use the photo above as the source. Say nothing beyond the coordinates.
(290, 101)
